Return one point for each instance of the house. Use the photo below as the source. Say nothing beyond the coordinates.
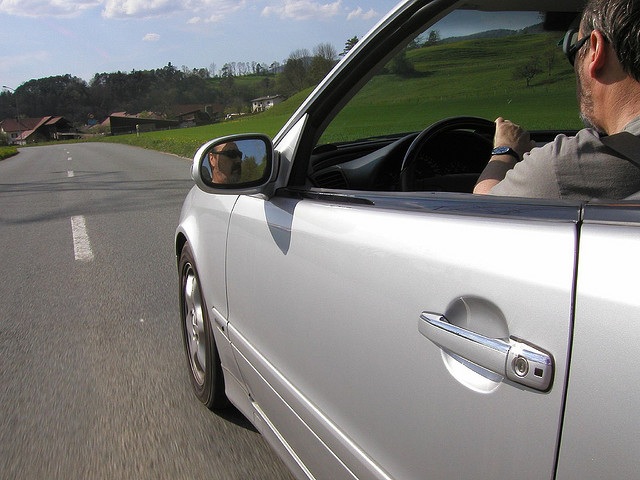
(191, 115)
(31, 130)
(265, 103)
(195, 115)
(122, 123)
(13, 128)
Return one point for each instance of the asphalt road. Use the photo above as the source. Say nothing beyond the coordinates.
(93, 381)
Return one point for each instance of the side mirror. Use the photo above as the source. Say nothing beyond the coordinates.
(235, 163)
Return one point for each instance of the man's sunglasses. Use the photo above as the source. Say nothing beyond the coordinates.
(232, 154)
(572, 44)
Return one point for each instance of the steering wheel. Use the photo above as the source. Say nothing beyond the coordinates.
(482, 127)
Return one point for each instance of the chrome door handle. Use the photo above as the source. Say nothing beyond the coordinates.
(513, 358)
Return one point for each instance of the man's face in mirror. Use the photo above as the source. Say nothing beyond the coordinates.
(225, 160)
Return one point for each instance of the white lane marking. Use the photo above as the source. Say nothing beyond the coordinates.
(70, 173)
(81, 243)
(68, 158)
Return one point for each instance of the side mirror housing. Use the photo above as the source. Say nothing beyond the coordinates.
(236, 164)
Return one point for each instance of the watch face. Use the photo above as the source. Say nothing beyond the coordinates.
(500, 150)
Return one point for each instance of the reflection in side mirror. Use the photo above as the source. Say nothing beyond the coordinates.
(236, 162)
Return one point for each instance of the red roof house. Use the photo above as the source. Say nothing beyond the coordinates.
(32, 130)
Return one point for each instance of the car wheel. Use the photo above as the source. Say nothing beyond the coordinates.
(199, 344)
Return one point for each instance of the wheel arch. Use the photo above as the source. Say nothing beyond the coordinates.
(181, 240)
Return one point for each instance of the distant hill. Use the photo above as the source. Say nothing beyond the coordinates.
(498, 33)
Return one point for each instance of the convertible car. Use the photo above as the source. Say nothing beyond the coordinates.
(345, 290)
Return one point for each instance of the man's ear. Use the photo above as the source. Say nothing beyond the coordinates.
(598, 52)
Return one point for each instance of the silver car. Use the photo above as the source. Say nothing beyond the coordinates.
(345, 290)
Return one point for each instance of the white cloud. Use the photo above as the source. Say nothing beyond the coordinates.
(139, 8)
(151, 37)
(360, 14)
(210, 9)
(215, 18)
(303, 9)
(203, 9)
(46, 8)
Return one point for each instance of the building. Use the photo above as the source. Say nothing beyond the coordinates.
(32, 130)
(123, 123)
(196, 115)
(265, 103)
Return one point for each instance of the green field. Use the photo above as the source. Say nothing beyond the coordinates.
(471, 77)
(6, 152)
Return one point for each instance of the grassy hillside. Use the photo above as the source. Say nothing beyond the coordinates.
(470, 77)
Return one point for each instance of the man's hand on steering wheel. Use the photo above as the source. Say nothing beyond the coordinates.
(508, 134)
(510, 141)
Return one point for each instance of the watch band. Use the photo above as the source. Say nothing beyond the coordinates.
(504, 150)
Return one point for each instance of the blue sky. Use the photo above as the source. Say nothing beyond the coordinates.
(43, 38)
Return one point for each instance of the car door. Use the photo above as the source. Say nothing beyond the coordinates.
(387, 334)
(600, 433)
(347, 309)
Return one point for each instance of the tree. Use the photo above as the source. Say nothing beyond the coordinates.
(168, 72)
(250, 170)
(349, 44)
(528, 70)
(62, 95)
(226, 71)
(296, 69)
(9, 104)
(266, 85)
(401, 65)
(433, 38)
(324, 58)
(274, 68)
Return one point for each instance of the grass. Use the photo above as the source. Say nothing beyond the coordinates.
(471, 77)
(6, 152)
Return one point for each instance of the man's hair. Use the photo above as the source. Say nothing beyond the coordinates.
(619, 22)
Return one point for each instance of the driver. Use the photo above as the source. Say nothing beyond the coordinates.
(605, 53)
(225, 163)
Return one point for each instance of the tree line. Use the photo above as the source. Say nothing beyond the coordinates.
(161, 89)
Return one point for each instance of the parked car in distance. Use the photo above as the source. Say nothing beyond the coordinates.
(345, 290)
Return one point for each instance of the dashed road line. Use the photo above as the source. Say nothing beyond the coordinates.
(70, 173)
(81, 244)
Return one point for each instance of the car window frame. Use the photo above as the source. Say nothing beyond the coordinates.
(354, 71)
(365, 61)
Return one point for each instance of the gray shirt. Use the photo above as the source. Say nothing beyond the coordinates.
(579, 168)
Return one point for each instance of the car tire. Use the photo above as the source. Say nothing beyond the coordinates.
(205, 369)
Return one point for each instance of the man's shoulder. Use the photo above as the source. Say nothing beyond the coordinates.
(633, 126)
(584, 141)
